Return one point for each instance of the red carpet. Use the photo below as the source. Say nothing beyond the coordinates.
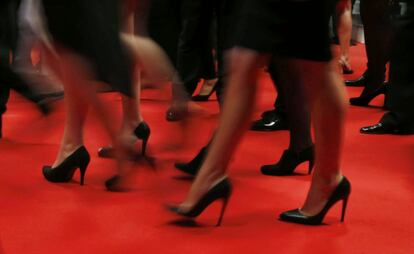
(41, 217)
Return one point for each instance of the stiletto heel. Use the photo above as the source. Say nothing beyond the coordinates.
(82, 174)
(144, 146)
(221, 190)
(65, 171)
(223, 209)
(143, 132)
(341, 193)
(344, 205)
(289, 162)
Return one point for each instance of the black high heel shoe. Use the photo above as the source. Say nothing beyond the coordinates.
(142, 132)
(289, 162)
(194, 165)
(366, 98)
(221, 190)
(65, 171)
(341, 193)
(200, 97)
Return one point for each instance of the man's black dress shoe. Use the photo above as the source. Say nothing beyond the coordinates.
(387, 128)
(270, 121)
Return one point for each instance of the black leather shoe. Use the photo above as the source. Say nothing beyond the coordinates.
(219, 191)
(341, 193)
(289, 162)
(64, 172)
(366, 97)
(387, 128)
(270, 121)
(357, 82)
(194, 165)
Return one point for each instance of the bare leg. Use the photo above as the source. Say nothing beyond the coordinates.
(291, 85)
(78, 94)
(344, 13)
(76, 110)
(237, 109)
(130, 106)
(326, 96)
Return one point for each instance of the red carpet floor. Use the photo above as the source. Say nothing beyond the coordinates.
(40, 217)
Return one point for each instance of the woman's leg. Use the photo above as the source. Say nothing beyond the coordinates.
(79, 93)
(76, 110)
(237, 109)
(344, 13)
(326, 96)
(298, 114)
(131, 106)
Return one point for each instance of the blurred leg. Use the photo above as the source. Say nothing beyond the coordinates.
(237, 109)
(326, 98)
(344, 13)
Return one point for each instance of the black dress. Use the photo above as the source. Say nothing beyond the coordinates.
(90, 28)
(288, 28)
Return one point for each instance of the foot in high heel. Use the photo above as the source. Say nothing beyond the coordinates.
(341, 193)
(219, 191)
(142, 132)
(194, 165)
(65, 171)
(289, 162)
(208, 88)
(367, 97)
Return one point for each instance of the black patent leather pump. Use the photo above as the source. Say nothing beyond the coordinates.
(220, 191)
(367, 97)
(194, 165)
(142, 132)
(65, 171)
(341, 193)
(290, 161)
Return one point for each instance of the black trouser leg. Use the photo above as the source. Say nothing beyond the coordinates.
(206, 52)
(164, 25)
(4, 97)
(280, 105)
(376, 18)
(292, 93)
(196, 19)
(401, 93)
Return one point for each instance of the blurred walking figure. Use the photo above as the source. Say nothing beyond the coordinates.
(279, 28)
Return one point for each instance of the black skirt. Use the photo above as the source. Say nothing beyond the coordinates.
(90, 28)
(288, 28)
